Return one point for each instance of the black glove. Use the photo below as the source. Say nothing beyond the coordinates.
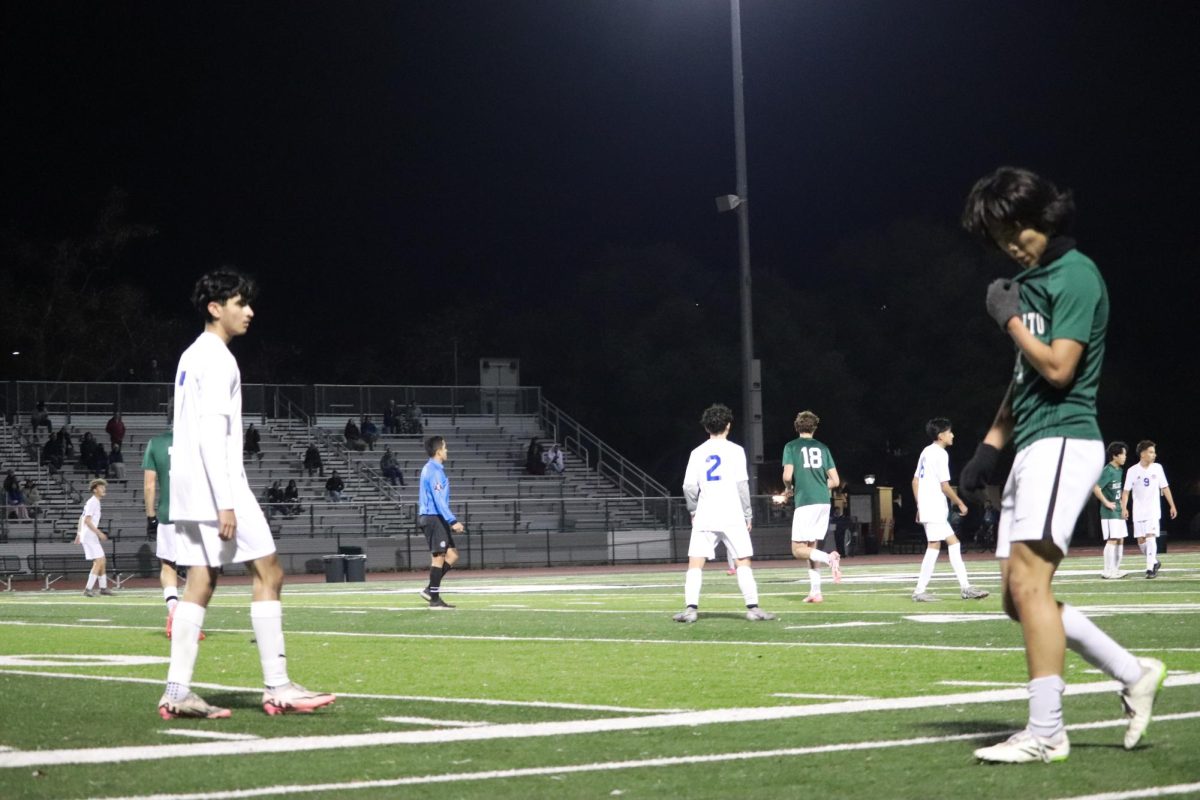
(1003, 301)
(977, 472)
(151, 527)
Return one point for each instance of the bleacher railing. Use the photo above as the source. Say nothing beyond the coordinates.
(503, 532)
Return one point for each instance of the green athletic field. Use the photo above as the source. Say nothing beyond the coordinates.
(582, 686)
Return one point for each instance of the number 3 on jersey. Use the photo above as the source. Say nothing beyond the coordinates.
(712, 475)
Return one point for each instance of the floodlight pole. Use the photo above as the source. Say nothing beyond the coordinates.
(754, 444)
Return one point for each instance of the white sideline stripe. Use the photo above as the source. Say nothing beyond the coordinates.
(198, 734)
(1151, 791)
(94, 620)
(835, 625)
(347, 612)
(358, 695)
(439, 723)
(803, 696)
(990, 683)
(295, 744)
(573, 640)
(612, 766)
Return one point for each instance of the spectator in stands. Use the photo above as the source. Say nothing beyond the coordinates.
(370, 433)
(33, 497)
(553, 459)
(416, 418)
(14, 499)
(99, 463)
(116, 463)
(250, 443)
(391, 420)
(274, 498)
(291, 499)
(65, 442)
(87, 450)
(90, 536)
(390, 468)
(534, 464)
(115, 429)
(334, 488)
(39, 418)
(312, 460)
(52, 454)
(353, 436)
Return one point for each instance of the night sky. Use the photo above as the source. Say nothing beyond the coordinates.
(408, 171)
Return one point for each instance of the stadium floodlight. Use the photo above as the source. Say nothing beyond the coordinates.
(728, 202)
(869, 480)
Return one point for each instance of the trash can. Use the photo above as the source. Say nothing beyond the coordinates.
(335, 569)
(356, 568)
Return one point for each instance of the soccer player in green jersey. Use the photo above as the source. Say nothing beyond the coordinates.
(1056, 313)
(810, 475)
(1112, 519)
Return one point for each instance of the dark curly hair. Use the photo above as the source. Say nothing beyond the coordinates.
(716, 418)
(220, 285)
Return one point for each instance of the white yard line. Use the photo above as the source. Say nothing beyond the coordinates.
(437, 723)
(614, 766)
(1149, 791)
(295, 744)
(199, 734)
(994, 684)
(815, 625)
(803, 696)
(359, 695)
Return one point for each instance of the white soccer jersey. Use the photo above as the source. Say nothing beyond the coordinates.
(933, 469)
(90, 509)
(207, 384)
(717, 467)
(1144, 485)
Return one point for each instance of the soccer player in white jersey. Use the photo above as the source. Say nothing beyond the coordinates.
(90, 536)
(1146, 480)
(931, 488)
(217, 518)
(1112, 518)
(717, 487)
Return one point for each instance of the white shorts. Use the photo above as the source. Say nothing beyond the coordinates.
(704, 543)
(810, 523)
(164, 548)
(1047, 489)
(198, 545)
(92, 547)
(1113, 529)
(937, 531)
(1145, 527)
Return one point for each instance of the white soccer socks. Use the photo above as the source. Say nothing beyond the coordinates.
(956, 561)
(1045, 706)
(927, 563)
(185, 644)
(691, 587)
(814, 582)
(92, 578)
(1110, 557)
(818, 556)
(170, 596)
(746, 582)
(1098, 648)
(1151, 551)
(266, 616)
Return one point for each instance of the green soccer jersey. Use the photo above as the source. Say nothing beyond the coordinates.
(1065, 299)
(1110, 487)
(158, 458)
(811, 462)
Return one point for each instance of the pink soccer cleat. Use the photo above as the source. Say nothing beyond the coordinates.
(814, 598)
(835, 566)
(293, 699)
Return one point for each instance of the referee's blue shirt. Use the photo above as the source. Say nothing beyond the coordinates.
(434, 498)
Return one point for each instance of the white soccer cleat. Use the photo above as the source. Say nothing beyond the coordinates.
(756, 614)
(1138, 699)
(687, 615)
(835, 566)
(971, 593)
(1106, 575)
(1117, 575)
(1025, 747)
(923, 597)
(190, 706)
(293, 699)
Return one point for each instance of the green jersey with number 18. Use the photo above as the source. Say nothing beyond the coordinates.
(811, 462)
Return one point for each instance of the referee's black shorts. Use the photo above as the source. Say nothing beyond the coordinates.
(437, 533)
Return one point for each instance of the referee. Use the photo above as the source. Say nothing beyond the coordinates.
(436, 520)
